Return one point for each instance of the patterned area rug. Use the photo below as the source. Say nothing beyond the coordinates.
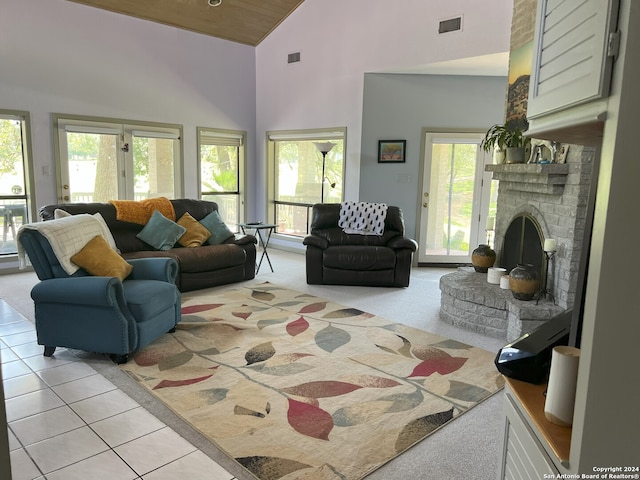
(293, 386)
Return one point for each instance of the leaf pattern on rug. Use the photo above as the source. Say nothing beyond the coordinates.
(200, 308)
(452, 345)
(287, 304)
(270, 322)
(331, 338)
(372, 381)
(262, 295)
(309, 420)
(466, 392)
(406, 347)
(420, 428)
(287, 358)
(245, 311)
(402, 402)
(313, 307)
(359, 413)
(295, 386)
(213, 395)
(175, 361)
(441, 365)
(260, 353)
(270, 468)
(240, 410)
(297, 327)
(424, 352)
(321, 389)
(364, 412)
(282, 370)
(209, 351)
(180, 383)
(343, 313)
(195, 318)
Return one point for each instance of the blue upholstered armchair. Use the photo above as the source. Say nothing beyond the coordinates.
(96, 313)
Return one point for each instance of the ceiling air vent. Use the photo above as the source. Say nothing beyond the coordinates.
(293, 57)
(450, 25)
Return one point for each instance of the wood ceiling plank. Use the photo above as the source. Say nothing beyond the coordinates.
(242, 21)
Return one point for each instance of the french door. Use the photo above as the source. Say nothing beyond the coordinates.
(102, 161)
(458, 198)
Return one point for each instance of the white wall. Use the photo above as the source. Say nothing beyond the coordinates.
(58, 56)
(340, 41)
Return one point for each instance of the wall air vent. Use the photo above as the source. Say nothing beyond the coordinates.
(293, 57)
(450, 25)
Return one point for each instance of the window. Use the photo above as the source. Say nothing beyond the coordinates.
(306, 167)
(221, 158)
(100, 160)
(15, 184)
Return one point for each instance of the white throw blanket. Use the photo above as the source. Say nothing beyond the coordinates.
(362, 218)
(67, 236)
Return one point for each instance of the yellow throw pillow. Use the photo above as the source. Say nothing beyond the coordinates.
(99, 259)
(196, 233)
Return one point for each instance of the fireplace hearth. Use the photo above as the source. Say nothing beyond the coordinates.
(535, 202)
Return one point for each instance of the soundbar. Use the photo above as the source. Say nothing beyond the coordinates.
(529, 357)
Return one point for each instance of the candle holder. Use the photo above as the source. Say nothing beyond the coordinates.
(544, 292)
(490, 234)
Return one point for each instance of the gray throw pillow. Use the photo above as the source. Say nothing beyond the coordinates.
(219, 230)
(160, 232)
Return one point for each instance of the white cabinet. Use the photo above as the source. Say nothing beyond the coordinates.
(574, 48)
(533, 448)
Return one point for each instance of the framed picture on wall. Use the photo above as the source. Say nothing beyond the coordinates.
(391, 151)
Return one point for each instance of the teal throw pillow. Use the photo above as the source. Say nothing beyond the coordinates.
(160, 232)
(219, 230)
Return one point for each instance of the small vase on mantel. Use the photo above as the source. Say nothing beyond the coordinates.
(483, 257)
(524, 282)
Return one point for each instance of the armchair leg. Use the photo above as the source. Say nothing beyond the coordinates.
(48, 351)
(173, 330)
(119, 358)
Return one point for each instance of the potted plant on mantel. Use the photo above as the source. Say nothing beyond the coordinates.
(508, 141)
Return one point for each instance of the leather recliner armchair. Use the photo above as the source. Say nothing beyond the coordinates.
(334, 257)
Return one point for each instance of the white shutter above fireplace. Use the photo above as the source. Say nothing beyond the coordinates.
(573, 61)
(574, 49)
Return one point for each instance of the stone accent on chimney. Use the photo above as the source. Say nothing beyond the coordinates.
(556, 195)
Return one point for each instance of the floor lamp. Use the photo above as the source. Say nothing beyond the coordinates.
(323, 148)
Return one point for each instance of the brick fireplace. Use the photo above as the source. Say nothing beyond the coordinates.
(555, 198)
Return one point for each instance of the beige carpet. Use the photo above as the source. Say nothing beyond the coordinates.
(294, 386)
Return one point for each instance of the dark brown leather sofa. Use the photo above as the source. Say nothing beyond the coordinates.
(334, 257)
(199, 267)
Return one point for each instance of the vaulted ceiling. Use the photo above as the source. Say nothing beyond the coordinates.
(242, 21)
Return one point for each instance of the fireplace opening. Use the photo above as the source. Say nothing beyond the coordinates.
(523, 244)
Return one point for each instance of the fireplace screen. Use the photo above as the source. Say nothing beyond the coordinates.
(523, 244)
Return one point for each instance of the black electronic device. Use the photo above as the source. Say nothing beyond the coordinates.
(529, 357)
